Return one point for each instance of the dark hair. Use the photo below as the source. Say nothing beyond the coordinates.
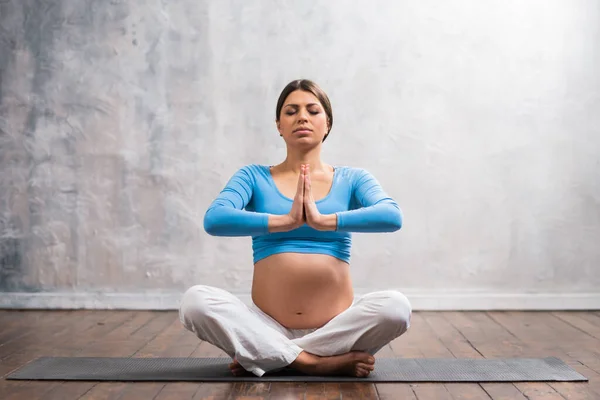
(307, 86)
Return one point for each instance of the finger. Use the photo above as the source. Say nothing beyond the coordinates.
(307, 186)
(300, 188)
(304, 172)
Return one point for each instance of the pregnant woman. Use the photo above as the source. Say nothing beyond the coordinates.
(300, 214)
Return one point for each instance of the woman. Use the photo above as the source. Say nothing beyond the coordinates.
(300, 215)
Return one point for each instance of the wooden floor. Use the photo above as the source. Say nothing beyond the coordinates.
(572, 336)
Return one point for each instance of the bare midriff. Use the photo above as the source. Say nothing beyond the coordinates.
(302, 291)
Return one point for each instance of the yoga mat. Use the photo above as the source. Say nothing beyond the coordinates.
(216, 370)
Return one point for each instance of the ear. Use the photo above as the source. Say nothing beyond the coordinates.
(279, 127)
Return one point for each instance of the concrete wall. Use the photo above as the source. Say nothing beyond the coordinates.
(121, 120)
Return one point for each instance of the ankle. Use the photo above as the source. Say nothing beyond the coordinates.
(305, 361)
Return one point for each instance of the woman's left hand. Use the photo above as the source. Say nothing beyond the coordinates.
(314, 218)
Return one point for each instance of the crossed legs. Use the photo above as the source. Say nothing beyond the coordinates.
(260, 344)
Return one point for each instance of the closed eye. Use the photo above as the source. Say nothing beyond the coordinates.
(310, 111)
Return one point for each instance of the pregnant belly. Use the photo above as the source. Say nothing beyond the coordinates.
(302, 291)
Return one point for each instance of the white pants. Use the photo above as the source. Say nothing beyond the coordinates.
(260, 344)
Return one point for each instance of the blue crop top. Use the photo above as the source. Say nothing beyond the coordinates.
(356, 197)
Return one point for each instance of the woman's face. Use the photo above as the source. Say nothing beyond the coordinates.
(302, 118)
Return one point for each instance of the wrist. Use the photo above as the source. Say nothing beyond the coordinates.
(278, 223)
(281, 223)
(328, 222)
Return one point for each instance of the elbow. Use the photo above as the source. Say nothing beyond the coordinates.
(397, 222)
(211, 225)
(396, 219)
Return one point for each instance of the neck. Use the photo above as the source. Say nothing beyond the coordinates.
(296, 158)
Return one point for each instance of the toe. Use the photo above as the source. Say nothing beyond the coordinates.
(366, 367)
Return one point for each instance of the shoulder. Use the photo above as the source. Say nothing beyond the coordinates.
(252, 173)
(253, 169)
(354, 174)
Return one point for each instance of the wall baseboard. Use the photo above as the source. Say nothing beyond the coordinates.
(420, 301)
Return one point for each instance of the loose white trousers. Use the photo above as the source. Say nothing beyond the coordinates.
(260, 344)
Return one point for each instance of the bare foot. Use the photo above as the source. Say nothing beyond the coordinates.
(354, 363)
(237, 369)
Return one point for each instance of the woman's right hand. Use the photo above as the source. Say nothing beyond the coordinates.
(296, 217)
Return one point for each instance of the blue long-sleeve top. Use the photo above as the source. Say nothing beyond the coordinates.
(356, 197)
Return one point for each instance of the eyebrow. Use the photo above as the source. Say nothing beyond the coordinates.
(296, 105)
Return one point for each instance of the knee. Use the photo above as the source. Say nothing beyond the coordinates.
(195, 303)
(395, 311)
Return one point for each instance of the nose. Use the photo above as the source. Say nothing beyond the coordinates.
(302, 117)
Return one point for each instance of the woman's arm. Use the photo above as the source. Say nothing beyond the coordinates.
(226, 215)
(377, 212)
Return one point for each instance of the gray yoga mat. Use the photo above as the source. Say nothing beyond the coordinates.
(216, 370)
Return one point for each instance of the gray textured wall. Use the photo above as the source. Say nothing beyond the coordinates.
(121, 120)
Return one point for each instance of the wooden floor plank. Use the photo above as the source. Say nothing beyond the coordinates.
(298, 390)
(492, 341)
(593, 385)
(115, 324)
(213, 391)
(393, 391)
(439, 340)
(169, 336)
(104, 391)
(155, 335)
(96, 329)
(15, 324)
(592, 317)
(408, 345)
(122, 340)
(67, 390)
(545, 335)
(578, 321)
(59, 336)
(254, 390)
(419, 342)
(175, 341)
(538, 390)
(503, 391)
(460, 346)
(37, 331)
(310, 391)
(186, 344)
(139, 390)
(206, 349)
(571, 336)
(390, 390)
(427, 391)
(357, 390)
(574, 392)
(178, 391)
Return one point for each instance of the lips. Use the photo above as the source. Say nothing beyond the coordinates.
(302, 130)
